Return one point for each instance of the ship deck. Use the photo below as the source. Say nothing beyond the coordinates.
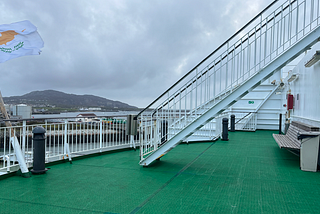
(247, 174)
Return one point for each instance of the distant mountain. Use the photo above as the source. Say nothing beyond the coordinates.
(63, 100)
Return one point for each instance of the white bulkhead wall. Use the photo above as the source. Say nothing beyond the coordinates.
(268, 113)
(306, 90)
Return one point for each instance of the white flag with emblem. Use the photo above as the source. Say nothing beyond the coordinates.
(19, 39)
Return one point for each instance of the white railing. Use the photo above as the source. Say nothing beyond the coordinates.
(219, 124)
(265, 38)
(162, 131)
(247, 121)
(207, 132)
(64, 140)
(251, 124)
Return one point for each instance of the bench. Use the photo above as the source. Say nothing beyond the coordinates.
(290, 139)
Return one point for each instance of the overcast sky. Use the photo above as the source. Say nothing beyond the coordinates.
(125, 50)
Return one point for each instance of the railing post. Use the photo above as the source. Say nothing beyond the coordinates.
(65, 137)
(156, 132)
(141, 138)
(66, 149)
(255, 120)
(100, 129)
(24, 126)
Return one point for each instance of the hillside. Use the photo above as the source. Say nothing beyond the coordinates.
(52, 98)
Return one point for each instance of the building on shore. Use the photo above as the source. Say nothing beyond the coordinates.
(89, 117)
(21, 111)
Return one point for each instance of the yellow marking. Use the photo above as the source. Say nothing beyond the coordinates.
(160, 156)
(7, 36)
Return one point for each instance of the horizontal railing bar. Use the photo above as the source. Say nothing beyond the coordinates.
(243, 117)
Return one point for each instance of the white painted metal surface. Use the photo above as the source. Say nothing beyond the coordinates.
(232, 71)
(309, 152)
(265, 102)
(259, 109)
(306, 91)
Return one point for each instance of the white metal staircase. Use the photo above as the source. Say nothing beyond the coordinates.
(259, 108)
(267, 43)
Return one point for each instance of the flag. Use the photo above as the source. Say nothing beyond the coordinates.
(19, 39)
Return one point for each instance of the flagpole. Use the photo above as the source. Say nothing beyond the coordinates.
(14, 140)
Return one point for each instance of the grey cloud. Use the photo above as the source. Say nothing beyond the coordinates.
(124, 50)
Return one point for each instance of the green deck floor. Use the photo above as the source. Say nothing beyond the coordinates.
(247, 174)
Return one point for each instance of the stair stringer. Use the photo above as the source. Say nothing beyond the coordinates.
(278, 63)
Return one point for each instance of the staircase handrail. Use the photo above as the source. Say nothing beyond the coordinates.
(212, 53)
(188, 84)
(245, 116)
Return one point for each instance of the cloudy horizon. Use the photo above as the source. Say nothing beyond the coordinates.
(127, 51)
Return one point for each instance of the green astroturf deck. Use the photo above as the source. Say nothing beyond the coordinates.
(247, 174)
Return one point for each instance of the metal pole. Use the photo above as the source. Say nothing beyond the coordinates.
(280, 123)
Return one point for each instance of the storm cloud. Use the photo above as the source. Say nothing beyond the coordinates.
(126, 50)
